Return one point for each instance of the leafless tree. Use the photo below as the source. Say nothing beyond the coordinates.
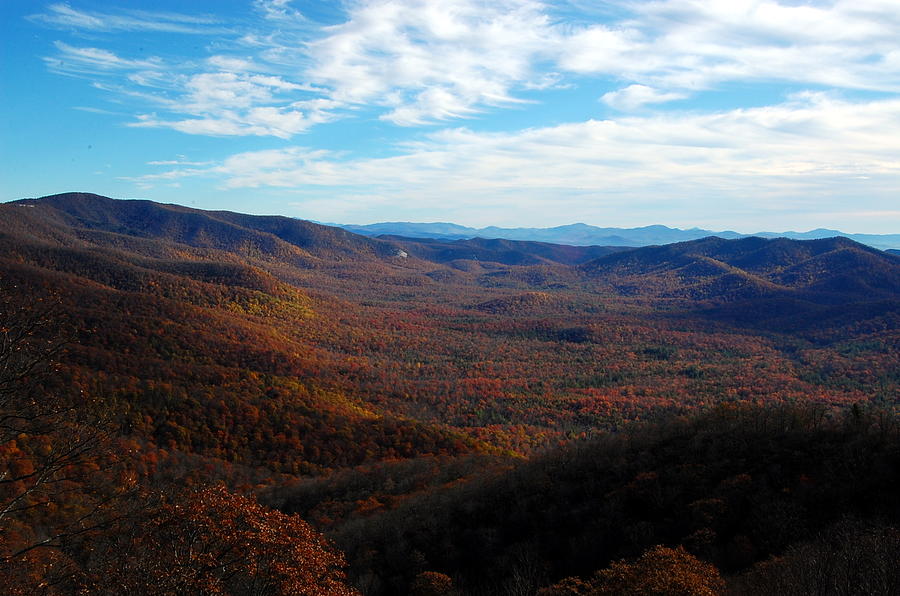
(51, 452)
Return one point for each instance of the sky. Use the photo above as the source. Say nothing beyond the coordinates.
(745, 115)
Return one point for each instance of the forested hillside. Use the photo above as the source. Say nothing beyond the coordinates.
(442, 407)
(734, 486)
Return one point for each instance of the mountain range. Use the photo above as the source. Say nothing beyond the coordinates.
(581, 234)
(824, 270)
(801, 286)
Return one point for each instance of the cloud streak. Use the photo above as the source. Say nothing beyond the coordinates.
(811, 146)
(86, 60)
(62, 15)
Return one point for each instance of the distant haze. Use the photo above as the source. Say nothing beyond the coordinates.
(580, 234)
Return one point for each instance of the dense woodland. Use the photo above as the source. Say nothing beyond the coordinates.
(209, 402)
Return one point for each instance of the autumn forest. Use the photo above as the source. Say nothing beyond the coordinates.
(200, 402)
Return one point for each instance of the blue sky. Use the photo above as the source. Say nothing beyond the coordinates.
(747, 115)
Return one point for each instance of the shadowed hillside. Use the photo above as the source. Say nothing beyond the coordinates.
(733, 486)
(817, 270)
(507, 252)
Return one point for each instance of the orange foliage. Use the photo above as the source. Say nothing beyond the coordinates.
(660, 571)
(215, 542)
(431, 583)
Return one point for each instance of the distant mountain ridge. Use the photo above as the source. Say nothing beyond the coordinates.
(580, 234)
(818, 270)
(498, 250)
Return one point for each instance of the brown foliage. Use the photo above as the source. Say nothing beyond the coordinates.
(660, 571)
(215, 542)
(432, 583)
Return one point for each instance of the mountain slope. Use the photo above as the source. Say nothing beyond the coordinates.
(734, 485)
(507, 252)
(820, 270)
(188, 333)
(198, 328)
(273, 236)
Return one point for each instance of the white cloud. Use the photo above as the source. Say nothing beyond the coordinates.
(232, 64)
(213, 91)
(421, 62)
(694, 44)
(223, 95)
(426, 60)
(218, 103)
(258, 121)
(812, 149)
(636, 96)
(278, 10)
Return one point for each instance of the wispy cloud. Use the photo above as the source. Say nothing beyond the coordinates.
(239, 103)
(93, 110)
(62, 15)
(262, 121)
(70, 59)
(279, 10)
(231, 98)
(180, 161)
